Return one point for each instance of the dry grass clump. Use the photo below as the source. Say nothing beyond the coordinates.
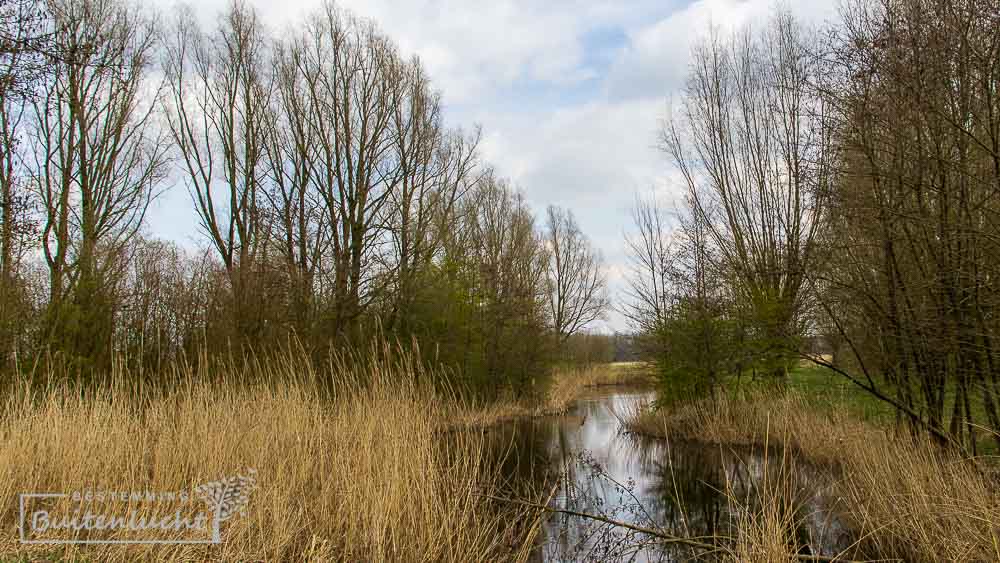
(920, 504)
(788, 419)
(568, 383)
(557, 398)
(906, 498)
(767, 516)
(350, 465)
(618, 373)
(564, 386)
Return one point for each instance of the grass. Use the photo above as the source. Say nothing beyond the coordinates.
(767, 516)
(822, 388)
(905, 498)
(619, 373)
(351, 463)
(566, 384)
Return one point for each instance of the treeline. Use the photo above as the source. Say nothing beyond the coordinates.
(842, 201)
(334, 203)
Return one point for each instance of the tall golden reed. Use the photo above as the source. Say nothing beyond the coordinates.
(906, 498)
(351, 463)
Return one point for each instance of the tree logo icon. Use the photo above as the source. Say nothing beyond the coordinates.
(227, 497)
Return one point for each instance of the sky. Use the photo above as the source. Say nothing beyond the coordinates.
(570, 94)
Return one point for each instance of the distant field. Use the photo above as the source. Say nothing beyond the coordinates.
(820, 384)
(645, 368)
(823, 388)
(622, 373)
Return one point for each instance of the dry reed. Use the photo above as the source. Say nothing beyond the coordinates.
(565, 385)
(905, 498)
(350, 463)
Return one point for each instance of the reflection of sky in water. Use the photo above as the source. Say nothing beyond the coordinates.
(650, 483)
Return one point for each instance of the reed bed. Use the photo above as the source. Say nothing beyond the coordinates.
(561, 390)
(350, 462)
(618, 373)
(905, 498)
(766, 516)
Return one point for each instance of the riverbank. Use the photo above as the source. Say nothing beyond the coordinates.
(905, 499)
(560, 392)
(349, 465)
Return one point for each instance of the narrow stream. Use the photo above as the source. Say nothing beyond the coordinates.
(686, 489)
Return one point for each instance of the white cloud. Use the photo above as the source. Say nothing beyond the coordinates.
(576, 154)
(473, 49)
(655, 59)
(569, 123)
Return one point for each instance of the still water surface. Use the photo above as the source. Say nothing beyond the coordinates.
(691, 490)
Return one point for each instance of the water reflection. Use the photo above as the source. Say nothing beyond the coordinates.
(687, 489)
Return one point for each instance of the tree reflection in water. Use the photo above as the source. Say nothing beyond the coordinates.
(689, 490)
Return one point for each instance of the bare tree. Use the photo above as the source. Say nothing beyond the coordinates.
(352, 73)
(754, 144)
(329, 190)
(462, 174)
(435, 167)
(220, 118)
(25, 36)
(418, 136)
(25, 42)
(300, 224)
(911, 288)
(15, 221)
(164, 300)
(575, 276)
(508, 260)
(98, 158)
(650, 257)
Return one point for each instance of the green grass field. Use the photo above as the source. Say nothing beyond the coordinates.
(824, 388)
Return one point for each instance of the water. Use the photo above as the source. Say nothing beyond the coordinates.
(689, 490)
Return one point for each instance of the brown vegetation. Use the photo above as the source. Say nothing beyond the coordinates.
(905, 497)
(559, 391)
(351, 462)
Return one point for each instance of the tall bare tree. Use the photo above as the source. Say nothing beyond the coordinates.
(25, 44)
(434, 166)
(753, 142)
(577, 286)
(650, 262)
(911, 289)
(300, 225)
(353, 72)
(98, 158)
(220, 118)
